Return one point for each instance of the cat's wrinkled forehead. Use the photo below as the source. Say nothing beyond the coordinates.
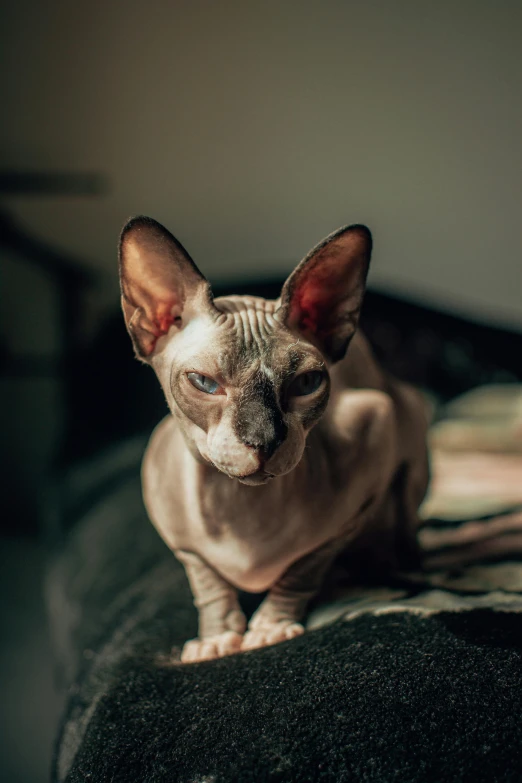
(249, 335)
(247, 338)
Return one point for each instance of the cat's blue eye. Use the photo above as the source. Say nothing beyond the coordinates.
(203, 383)
(306, 383)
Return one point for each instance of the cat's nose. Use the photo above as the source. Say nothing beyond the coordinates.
(263, 431)
(265, 450)
(258, 420)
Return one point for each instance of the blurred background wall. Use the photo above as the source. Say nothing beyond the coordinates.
(252, 129)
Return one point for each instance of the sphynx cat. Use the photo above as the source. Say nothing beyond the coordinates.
(283, 449)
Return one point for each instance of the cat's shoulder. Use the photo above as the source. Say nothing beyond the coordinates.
(359, 369)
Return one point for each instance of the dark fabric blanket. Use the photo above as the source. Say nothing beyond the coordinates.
(415, 679)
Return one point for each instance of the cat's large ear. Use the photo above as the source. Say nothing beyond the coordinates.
(322, 297)
(160, 284)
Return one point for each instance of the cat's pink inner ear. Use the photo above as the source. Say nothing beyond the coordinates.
(316, 298)
(153, 297)
(160, 283)
(324, 294)
(147, 329)
(164, 317)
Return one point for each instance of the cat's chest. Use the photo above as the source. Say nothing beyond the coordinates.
(251, 535)
(254, 552)
(252, 539)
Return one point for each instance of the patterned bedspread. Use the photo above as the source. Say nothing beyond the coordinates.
(471, 537)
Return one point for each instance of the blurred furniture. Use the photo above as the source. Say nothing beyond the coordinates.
(42, 309)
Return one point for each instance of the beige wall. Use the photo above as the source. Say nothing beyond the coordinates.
(252, 129)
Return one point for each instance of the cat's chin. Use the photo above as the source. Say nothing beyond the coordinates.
(251, 480)
(256, 479)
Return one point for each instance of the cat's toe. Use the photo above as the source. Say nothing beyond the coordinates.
(211, 647)
(271, 634)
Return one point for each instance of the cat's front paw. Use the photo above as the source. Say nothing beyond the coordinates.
(271, 633)
(211, 647)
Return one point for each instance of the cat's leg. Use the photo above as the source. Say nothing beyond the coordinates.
(278, 617)
(221, 621)
(412, 479)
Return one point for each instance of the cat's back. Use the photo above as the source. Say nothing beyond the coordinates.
(359, 369)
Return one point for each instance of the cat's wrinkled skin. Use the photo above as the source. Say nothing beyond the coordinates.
(281, 452)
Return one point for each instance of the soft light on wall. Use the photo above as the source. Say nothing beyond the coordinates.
(253, 129)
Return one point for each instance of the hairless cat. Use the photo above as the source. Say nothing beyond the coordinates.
(284, 450)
